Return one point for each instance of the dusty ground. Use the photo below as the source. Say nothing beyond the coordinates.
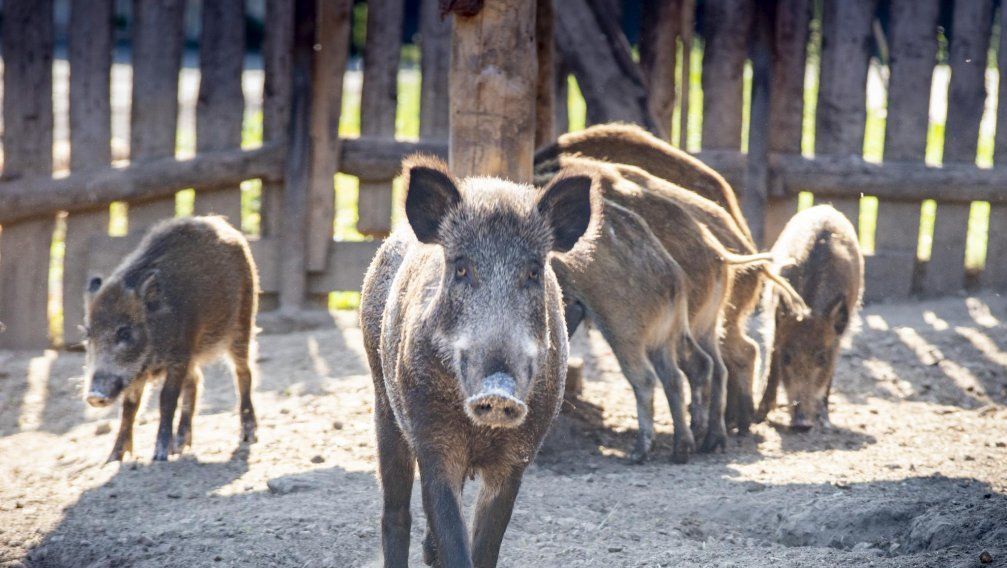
(913, 474)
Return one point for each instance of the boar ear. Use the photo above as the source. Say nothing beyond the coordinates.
(93, 285)
(839, 314)
(567, 205)
(431, 193)
(150, 291)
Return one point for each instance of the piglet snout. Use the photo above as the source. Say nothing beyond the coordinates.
(800, 422)
(495, 404)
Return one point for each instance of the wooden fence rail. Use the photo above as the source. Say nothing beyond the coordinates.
(305, 55)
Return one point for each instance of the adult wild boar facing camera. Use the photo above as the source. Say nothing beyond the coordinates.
(185, 296)
(464, 331)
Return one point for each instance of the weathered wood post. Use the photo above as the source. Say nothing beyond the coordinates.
(378, 102)
(754, 198)
(545, 93)
(220, 107)
(27, 44)
(435, 56)
(492, 83)
(90, 55)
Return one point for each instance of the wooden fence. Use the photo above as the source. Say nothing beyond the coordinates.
(305, 54)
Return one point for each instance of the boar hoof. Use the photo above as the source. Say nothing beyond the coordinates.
(182, 440)
(714, 441)
(684, 447)
(161, 450)
(248, 434)
(115, 456)
(429, 549)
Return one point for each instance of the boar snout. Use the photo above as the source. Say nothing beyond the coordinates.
(495, 404)
(799, 420)
(105, 387)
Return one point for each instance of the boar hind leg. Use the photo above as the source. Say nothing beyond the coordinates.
(241, 358)
(716, 432)
(492, 515)
(170, 392)
(672, 379)
(643, 379)
(698, 367)
(395, 468)
(446, 543)
(741, 355)
(190, 393)
(124, 440)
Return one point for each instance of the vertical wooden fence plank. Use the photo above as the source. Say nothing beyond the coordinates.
(726, 27)
(786, 102)
(842, 87)
(378, 99)
(492, 83)
(659, 29)
(90, 54)
(435, 55)
(545, 91)
(995, 273)
(755, 196)
(220, 108)
(332, 38)
(297, 177)
(598, 54)
(970, 36)
(686, 32)
(277, 54)
(912, 44)
(158, 39)
(27, 44)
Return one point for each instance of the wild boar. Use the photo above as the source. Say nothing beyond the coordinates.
(630, 145)
(690, 228)
(185, 296)
(818, 252)
(465, 336)
(636, 294)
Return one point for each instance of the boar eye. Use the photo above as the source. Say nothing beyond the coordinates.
(463, 271)
(532, 275)
(821, 358)
(123, 334)
(786, 358)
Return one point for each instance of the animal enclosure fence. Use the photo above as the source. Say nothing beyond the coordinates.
(305, 55)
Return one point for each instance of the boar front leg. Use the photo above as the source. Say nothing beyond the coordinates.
(446, 544)
(772, 385)
(124, 440)
(169, 402)
(190, 392)
(396, 466)
(492, 515)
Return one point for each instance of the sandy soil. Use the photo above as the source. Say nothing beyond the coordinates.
(914, 473)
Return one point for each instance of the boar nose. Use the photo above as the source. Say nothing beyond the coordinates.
(98, 400)
(104, 388)
(495, 404)
(800, 422)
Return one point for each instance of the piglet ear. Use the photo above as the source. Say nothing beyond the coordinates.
(150, 291)
(839, 314)
(431, 193)
(566, 204)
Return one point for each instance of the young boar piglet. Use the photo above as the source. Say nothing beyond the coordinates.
(818, 252)
(185, 296)
(464, 332)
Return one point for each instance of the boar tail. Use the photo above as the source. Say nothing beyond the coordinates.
(790, 296)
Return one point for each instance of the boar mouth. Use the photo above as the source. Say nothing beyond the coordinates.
(495, 404)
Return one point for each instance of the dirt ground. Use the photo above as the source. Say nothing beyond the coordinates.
(914, 472)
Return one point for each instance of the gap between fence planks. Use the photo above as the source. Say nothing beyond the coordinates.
(158, 40)
(90, 57)
(27, 44)
(378, 103)
(891, 270)
(220, 106)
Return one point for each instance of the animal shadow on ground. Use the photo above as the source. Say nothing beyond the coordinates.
(192, 513)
